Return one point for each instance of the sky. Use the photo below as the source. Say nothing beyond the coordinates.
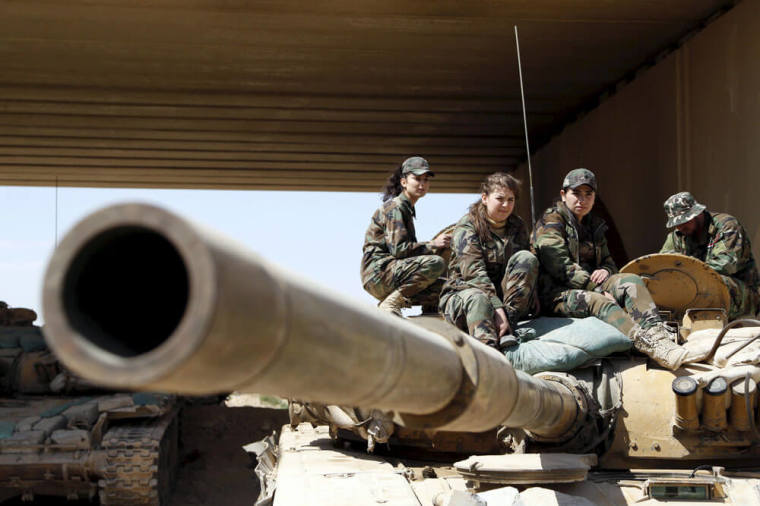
(316, 234)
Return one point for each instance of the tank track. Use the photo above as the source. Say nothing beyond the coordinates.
(141, 461)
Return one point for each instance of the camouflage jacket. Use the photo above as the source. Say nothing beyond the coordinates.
(724, 246)
(556, 243)
(390, 235)
(478, 264)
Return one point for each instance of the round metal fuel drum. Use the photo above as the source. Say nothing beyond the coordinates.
(678, 282)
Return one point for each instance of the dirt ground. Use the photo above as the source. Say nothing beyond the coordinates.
(214, 469)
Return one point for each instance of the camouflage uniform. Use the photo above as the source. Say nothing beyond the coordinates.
(486, 276)
(393, 259)
(569, 252)
(723, 245)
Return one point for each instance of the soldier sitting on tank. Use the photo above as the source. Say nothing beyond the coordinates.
(579, 278)
(719, 240)
(395, 268)
(492, 274)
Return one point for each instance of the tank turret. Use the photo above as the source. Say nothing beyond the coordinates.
(234, 321)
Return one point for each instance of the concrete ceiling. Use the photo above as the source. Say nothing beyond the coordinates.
(285, 94)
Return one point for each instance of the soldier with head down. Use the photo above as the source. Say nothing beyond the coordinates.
(579, 278)
(719, 240)
(492, 275)
(396, 268)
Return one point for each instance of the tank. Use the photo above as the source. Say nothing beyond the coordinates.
(61, 436)
(443, 419)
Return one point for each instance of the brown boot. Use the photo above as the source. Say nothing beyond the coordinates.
(657, 343)
(393, 303)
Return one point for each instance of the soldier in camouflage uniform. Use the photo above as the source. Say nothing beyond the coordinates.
(492, 275)
(395, 268)
(579, 278)
(719, 240)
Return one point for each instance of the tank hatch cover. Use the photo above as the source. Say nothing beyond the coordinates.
(679, 282)
(528, 468)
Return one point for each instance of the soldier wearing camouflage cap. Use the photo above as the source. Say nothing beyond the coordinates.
(719, 240)
(578, 177)
(579, 278)
(396, 268)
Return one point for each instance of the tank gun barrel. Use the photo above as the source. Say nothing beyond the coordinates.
(137, 297)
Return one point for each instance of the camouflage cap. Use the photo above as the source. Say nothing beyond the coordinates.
(578, 177)
(680, 208)
(416, 165)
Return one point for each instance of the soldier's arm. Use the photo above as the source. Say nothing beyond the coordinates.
(398, 239)
(554, 255)
(472, 263)
(608, 263)
(669, 246)
(726, 251)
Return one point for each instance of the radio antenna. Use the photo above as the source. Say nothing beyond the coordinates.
(525, 125)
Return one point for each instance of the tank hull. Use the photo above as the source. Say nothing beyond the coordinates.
(330, 475)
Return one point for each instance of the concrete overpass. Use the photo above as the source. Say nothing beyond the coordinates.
(656, 97)
(288, 94)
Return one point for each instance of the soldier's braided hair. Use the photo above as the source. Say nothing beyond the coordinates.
(392, 187)
(494, 182)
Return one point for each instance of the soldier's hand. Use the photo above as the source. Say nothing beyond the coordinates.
(442, 241)
(599, 276)
(609, 296)
(501, 322)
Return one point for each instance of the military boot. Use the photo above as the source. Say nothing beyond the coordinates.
(657, 343)
(507, 341)
(510, 339)
(393, 303)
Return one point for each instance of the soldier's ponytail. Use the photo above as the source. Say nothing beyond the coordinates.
(494, 182)
(392, 187)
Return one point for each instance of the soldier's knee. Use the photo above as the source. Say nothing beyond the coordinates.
(634, 279)
(525, 260)
(599, 304)
(435, 265)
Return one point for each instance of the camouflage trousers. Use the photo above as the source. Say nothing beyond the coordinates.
(417, 278)
(629, 292)
(744, 300)
(471, 310)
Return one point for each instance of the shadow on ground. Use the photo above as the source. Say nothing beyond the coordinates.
(214, 469)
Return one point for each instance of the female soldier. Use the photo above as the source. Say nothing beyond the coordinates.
(396, 269)
(579, 278)
(492, 276)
